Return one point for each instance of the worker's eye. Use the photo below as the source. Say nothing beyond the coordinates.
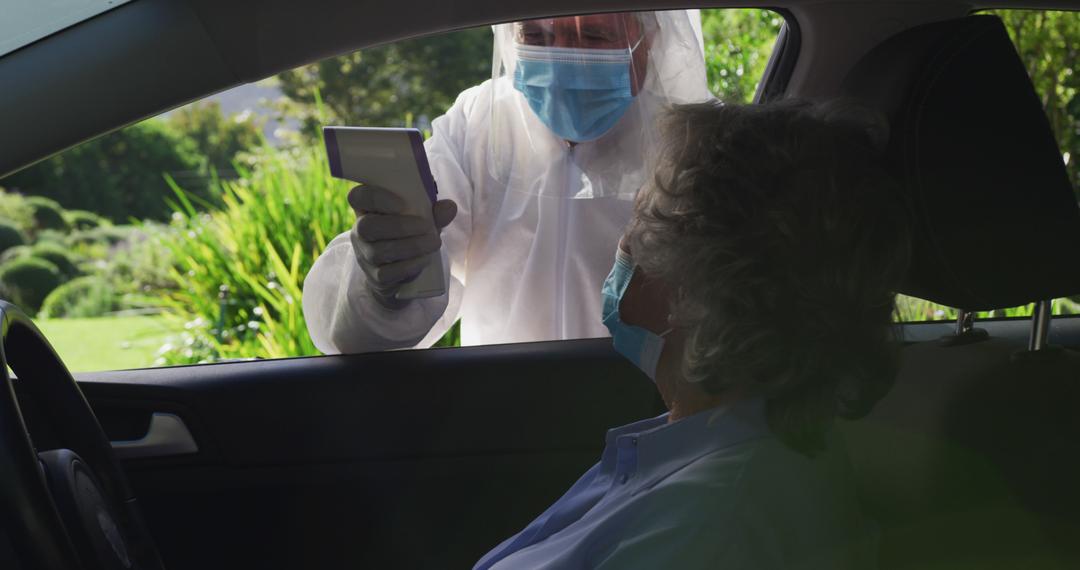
(532, 33)
(598, 36)
(533, 37)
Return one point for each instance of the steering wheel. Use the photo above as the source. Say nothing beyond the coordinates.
(69, 508)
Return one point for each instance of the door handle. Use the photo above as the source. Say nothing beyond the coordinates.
(167, 435)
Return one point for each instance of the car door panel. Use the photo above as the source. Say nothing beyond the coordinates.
(408, 459)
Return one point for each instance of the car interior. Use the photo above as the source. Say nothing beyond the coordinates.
(376, 460)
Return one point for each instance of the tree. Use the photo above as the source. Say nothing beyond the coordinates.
(738, 44)
(118, 175)
(218, 139)
(390, 85)
(121, 175)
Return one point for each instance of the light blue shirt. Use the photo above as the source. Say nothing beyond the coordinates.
(714, 490)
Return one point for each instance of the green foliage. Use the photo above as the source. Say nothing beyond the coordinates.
(51, 236)
(118, 175)
(738, 44)
(451, 338)
(15, 211)
(84, 220)
(218, 139)
(10, 236)
(26, 281)
(912, 309)
(107, 234)
(1049, 45)
(238, 269)
(15, 253)
(139, 267)
(385, 85)
(89, 296)
(57, 255)
(47, 214)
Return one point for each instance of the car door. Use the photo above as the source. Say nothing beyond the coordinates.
(404, 460)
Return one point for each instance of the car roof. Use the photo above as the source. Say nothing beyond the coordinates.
(149, 56)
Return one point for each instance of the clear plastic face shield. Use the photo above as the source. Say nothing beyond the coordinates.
(574, 99)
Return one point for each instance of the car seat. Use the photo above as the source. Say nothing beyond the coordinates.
(972, 460)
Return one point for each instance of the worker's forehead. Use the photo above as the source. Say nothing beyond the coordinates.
(609, 23)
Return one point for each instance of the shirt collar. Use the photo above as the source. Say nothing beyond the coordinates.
(661, 448)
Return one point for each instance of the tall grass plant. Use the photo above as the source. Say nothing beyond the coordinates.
(239, 266)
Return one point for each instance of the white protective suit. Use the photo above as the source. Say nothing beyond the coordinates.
(538, 219)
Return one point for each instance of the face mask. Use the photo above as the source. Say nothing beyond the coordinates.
(578, 93)
(640, 346)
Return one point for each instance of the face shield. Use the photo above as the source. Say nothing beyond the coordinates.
(574, 99)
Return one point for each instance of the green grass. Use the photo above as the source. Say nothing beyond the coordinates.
(108, 343)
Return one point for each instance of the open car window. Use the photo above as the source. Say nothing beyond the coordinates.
(1046, 42)
(186, 238)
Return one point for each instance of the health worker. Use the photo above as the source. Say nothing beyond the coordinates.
(536, 171)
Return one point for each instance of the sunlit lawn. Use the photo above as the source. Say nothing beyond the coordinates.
(107, 343)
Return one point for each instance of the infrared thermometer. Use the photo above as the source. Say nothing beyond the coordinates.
(393, 159)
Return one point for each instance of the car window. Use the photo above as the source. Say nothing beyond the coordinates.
(26, 22)
(1046, 42)
(186, 238)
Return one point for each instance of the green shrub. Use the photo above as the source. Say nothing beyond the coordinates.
(100, 248)
(84, 220)
(15, 211)
(15, 253)
(52, 236)
(89, 296)
(48, 215)
(108, 235)
(141, 264)
(58, 255)
(10, 236)
(26, 281)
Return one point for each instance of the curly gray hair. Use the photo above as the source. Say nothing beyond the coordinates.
(785, 238)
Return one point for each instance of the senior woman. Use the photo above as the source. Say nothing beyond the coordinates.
(755, 287)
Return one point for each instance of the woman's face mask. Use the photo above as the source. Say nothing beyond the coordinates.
(638, 345)
(579, 93)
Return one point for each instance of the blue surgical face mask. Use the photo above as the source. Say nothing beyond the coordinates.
(638, 345)
(578, 93)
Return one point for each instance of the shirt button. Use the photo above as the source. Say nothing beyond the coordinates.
(633, 441)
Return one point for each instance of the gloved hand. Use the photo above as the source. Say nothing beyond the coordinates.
(391, 247)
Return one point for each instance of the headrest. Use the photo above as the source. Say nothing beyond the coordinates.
(996, 222)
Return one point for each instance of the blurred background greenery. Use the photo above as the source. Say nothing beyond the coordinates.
(186, 238)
